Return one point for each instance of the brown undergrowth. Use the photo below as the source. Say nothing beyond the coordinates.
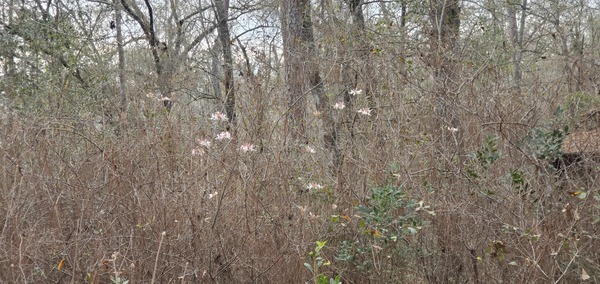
(85, 205)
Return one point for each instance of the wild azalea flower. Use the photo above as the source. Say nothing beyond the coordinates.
(364, 111)
(204, 142)
(355, 92)
(452, 129)
(218, 116)
(211, 195)
(197, 152)
(302, 208)
(339, 105)
(225, 135)
(314, 185)
(247, 147)
(309, 149)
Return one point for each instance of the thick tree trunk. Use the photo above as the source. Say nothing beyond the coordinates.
(301, 58)
(222, 14)
(321, 100)
(292, 18)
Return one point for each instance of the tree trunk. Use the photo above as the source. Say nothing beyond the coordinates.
(517, 41)
(364, 48)
(301, 58)
(215, 62)
(445, 34)
(121, 52)
(445, 23)
(322, 103)
(222, 14)
(292, 20)
(166, 59)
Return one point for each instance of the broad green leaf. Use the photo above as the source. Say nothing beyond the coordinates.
(308, 266)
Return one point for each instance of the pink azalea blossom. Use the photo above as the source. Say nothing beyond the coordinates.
(355, 92)
(247, 147)
(364, 111)
(225, 135)
(314, 185)
(309, 149)
(218, 116)
(204, 142)
(197, 152)
(339, 105)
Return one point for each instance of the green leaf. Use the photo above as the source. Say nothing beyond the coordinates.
(320, 245)
(322, 279)
(362, 224)
(583, 195)
(411, 230)
(308, 266)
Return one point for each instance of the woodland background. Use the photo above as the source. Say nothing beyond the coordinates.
(290, 141)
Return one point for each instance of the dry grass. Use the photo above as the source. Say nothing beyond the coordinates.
(84, 205)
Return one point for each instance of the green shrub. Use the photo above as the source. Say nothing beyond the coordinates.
(387, 220)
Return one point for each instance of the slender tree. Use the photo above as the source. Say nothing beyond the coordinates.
(516, 37)
(222, 14)
(444, 37)
(121, 52)
(364, 50)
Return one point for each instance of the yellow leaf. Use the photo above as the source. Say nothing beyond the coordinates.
(60, 264)
(375, 233)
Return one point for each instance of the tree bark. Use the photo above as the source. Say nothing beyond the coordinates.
(517, 41)
(445, 24)
(121, 52)
(322, 103)
(292, 20)
(222, 14)
(301, 58)
(215, 69)
(364, 48)
(444, 37)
